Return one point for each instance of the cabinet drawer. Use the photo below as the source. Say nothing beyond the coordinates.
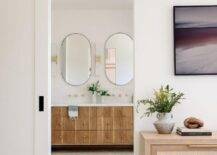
(56, 111)
(56, 138)
(104, 123)
(68, 124)
(82, 138)
(68, 137)
(123, 118)
(93, 119)
(123, 123)
(107, 124)
(107, 137)
(184, 149)
(105, 118)
(101, 138)
(56, 119)
(56, 123)
(95, 137)
(64, 112)
(123, 112)
(105, 112)
(82, 124)
(123, 137)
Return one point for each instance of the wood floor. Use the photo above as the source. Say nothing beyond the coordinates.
(94, 153)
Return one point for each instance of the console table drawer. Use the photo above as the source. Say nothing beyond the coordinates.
(184, 149)
(188, 153)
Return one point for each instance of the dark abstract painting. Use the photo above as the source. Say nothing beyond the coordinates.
(195, 38)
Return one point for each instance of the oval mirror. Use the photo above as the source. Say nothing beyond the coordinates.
(76, 59)
(119, 57)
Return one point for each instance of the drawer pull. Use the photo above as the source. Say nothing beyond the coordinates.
(203, 146)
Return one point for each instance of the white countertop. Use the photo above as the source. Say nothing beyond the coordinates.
(97, 105)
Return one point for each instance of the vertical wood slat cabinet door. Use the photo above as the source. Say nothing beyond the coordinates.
(82, 122)
(93, 119)
(107, 138)
(68, 124)
(105, 118)
(96, 138)
(123, 118)
(56, 132)
(123, 126)
(82, 137)
(68, 127)
(108, 115)
(56, 138)
(56, 119)
(123, 137)
(99, 120)
(101, 126)
(68, 137)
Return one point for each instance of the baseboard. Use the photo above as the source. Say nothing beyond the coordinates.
(91, 147)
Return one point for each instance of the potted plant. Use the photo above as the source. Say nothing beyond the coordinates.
(162, 103)
(97, 92)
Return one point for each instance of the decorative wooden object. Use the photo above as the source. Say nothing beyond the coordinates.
(172, 144)
(193, 123)
(94, 126)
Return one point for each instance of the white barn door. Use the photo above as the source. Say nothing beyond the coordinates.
(42, 143)
(17, 97)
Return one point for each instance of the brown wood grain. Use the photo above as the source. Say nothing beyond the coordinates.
(94, 126)
(155, 144)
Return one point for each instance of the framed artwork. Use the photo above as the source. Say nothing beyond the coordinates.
(195, 40)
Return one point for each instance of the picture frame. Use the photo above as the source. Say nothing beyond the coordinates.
(195, 40)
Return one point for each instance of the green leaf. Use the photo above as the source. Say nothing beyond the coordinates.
(163, 101)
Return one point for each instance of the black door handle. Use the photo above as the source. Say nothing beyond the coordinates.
(41, 103)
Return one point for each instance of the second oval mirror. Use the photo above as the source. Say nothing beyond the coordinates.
(76, 59)
(119, 57)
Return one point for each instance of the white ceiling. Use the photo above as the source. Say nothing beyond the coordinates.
(93, 4)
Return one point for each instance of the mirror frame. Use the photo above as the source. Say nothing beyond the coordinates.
(105, 53)
(90, 54)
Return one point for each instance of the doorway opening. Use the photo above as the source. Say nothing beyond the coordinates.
(92, 76)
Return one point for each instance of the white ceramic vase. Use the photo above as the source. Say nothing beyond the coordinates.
(165, 123)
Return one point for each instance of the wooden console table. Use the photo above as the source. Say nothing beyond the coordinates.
(172, 144)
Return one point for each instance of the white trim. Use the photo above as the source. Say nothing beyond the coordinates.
(42, 124)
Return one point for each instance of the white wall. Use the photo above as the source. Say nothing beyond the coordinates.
(97, 25)
(154, 65)
(16, 77)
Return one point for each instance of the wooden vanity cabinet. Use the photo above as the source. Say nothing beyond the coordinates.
(94, 126)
